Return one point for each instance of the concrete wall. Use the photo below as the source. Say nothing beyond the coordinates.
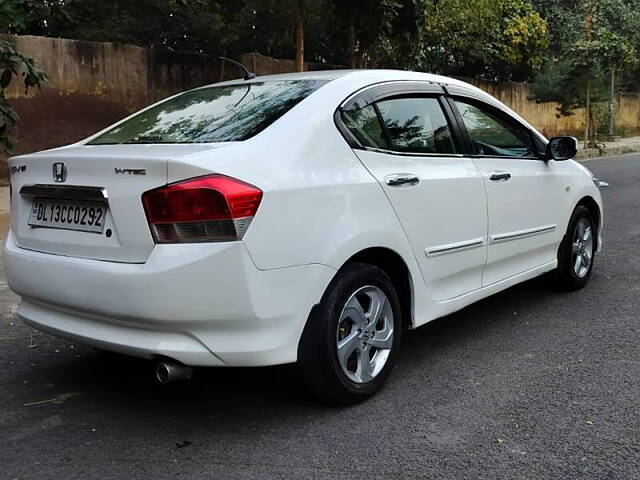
(124, 74)
(91, 85)
(263, 65)
(628, 114)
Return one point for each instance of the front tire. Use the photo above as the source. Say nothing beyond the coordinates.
(352, 337)
(577, 251)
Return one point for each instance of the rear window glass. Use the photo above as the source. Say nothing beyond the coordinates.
(213, 114)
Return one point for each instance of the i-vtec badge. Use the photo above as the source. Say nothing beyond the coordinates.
(130, 171)
(59, 172)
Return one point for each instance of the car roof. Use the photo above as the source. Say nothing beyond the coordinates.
(349, 81)
(310, 75)
(329, 75)
(363, 77)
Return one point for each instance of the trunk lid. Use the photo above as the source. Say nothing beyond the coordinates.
(122, 172)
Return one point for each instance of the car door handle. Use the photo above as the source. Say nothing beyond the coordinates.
(399, 180)
(498, 176)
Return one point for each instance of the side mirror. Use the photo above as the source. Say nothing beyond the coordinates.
(562, 148)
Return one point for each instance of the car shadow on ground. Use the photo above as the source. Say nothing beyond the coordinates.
(116, 384)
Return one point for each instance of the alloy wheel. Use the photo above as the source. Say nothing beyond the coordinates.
(582, 248)
(365, 334)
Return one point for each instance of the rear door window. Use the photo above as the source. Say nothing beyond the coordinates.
(405, 125)
(416, 125)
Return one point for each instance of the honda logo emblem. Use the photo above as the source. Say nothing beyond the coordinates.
(59, 172)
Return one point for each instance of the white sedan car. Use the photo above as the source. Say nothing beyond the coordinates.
(305, 218)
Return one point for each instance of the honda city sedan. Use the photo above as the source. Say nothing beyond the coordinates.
(304, 218)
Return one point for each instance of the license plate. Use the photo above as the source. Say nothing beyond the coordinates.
(68, 214)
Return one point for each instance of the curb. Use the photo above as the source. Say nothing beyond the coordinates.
(608, 151)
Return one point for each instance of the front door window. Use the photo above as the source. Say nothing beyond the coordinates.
(493, 135)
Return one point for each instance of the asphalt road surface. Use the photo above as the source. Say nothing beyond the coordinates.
(526, 384)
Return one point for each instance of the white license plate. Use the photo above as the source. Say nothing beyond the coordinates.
(68, 214)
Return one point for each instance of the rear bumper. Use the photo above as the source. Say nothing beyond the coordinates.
(201, 304)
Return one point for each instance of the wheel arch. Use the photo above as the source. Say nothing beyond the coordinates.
(392, 263)
(590, 204)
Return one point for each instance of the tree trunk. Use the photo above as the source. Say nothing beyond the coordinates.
(612, 103)
(351, 39)
(299, 35)
(587, 129)
(588, 20)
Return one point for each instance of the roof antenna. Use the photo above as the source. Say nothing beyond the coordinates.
(247, 74)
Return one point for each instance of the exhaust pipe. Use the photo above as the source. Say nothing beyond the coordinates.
(170, 371)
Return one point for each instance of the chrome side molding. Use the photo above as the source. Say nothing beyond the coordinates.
(531, 232)
(454, 247)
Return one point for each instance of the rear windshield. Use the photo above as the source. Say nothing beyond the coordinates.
(213, 114)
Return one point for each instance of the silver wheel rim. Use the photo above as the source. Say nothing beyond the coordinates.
(582, 248)
(365, 334)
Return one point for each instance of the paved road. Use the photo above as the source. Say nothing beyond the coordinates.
(526, 384)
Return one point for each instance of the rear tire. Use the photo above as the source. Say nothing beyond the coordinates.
(577, 251)
(352, 337)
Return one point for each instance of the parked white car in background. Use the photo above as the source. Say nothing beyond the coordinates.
(302, 218)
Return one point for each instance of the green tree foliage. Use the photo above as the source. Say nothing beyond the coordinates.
(363, 30)
(170, 24)
(610, 35)
(614, 25)
(494, 39)
(591, 39)
(28, 16)
(13, 65)
(562, 83)
(490, 39)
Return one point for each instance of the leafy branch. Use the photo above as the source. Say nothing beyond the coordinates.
(14, 65)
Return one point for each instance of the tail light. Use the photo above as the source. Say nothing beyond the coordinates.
(214, 208)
